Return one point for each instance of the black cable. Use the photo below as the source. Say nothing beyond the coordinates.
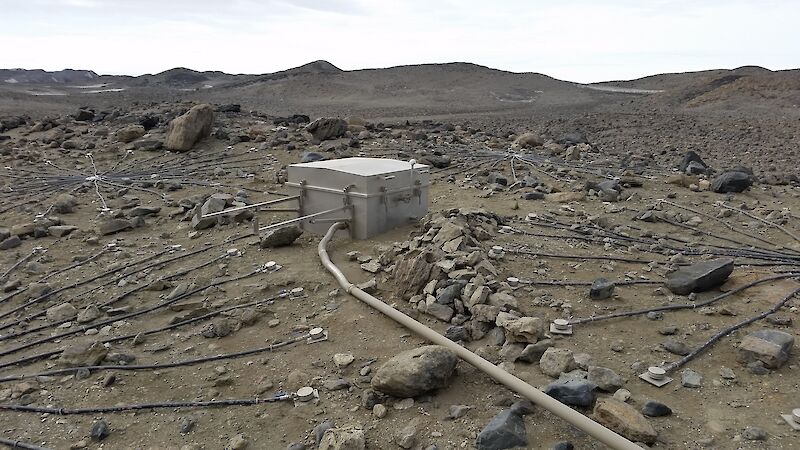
(83, 329)
(140, 406)
(168, 365)
(685, 306)
(13, 443)
(730, 330)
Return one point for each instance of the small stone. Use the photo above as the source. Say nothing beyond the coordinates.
(406, 437)
(458, 411)
(605, 379)
(676, 347)
(727, 373)
(99, 430)
(754, 434)
(336, 385)
(62, 312)
(343, 360)
(187, 425)
(563, 445)
(237, 442)
(379, 411)
(601, 289)
(691, 379)
(622, 395)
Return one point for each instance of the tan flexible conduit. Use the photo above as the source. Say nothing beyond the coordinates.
(594, 429)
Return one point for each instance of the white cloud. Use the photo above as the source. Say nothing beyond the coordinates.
(577, 40)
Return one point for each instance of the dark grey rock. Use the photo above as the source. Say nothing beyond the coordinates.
(320, 430)
(112, 226)
(437, 161)
(312, 156)
(522, 407)
(754, 434)
(573, 138)
(563, 445)
(505, 430)
(281, 237)
(691, 157)
(700, 277)
(572, 392)
(731, 181)
(369, 398)
(676, 347)
(457, 333)
(450, 293)
(653, 408)
(187, 425)
(99, 430)
(533, 352)
(601, 289)
(10, 242)
(497, 178)
(533, 195)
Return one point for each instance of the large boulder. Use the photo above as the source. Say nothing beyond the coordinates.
(415, 372)
(625, 420)
(187, 130)
(326, 128)
(700, 277)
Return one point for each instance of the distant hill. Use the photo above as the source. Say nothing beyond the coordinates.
(38, 76)
(320, 87)
(743, 87)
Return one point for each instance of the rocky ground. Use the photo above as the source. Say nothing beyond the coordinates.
(682, 224)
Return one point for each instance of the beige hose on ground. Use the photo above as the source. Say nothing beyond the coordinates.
(594, 429)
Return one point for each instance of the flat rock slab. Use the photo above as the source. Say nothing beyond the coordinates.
(771, 347)
(700, 277)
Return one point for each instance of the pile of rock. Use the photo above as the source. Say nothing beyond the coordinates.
(446, 272)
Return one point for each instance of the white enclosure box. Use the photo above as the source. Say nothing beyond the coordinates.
(382, 193)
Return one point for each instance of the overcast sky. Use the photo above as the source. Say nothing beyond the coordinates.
(576, 40)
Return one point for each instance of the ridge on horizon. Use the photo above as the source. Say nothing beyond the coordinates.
(326, 67)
